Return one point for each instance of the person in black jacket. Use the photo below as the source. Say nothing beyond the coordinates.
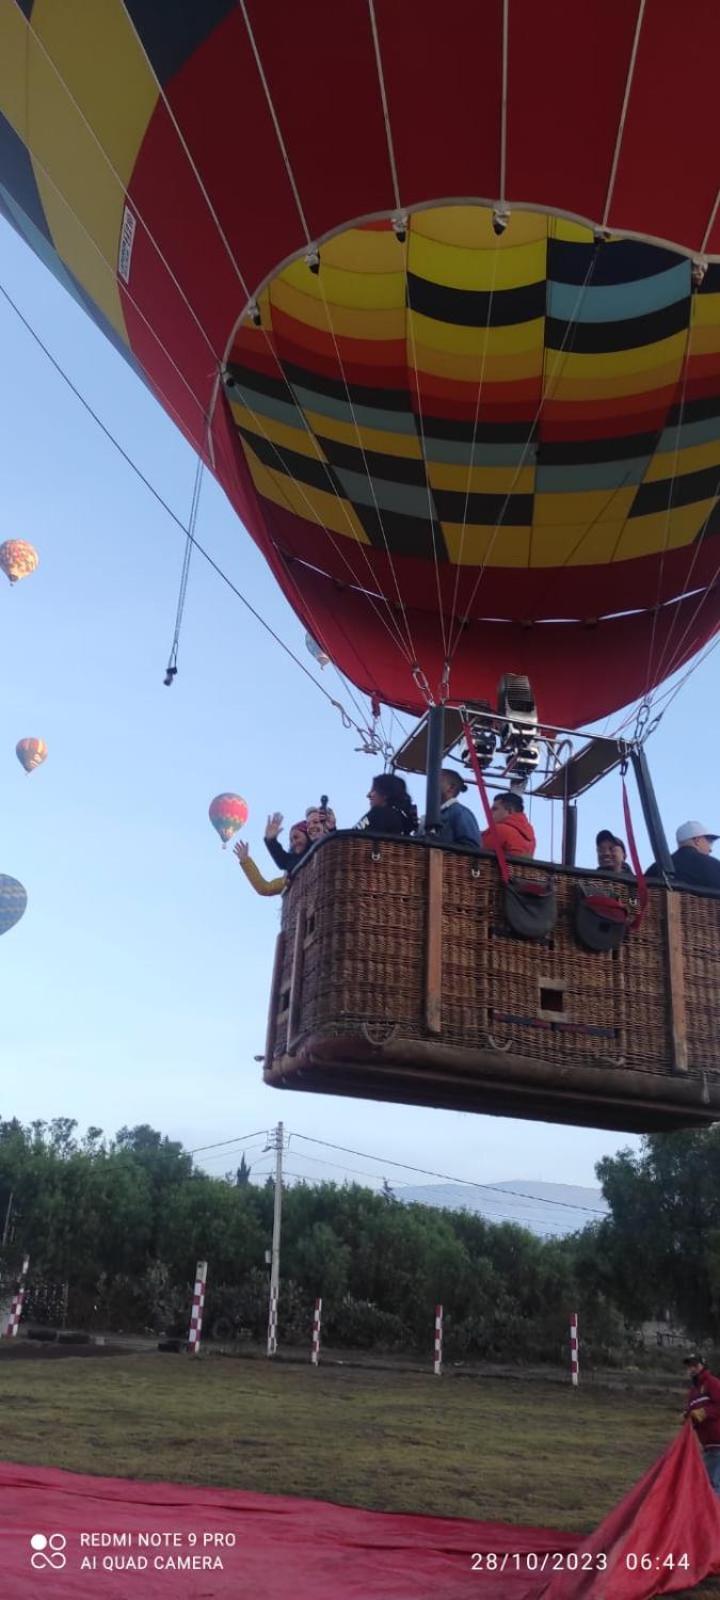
(693, 863)
(391, 809)
(299, 841)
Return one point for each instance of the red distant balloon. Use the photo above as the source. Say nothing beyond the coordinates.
(227, 813)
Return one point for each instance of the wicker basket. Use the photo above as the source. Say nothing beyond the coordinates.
(382, 951)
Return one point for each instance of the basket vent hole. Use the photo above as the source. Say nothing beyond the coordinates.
(551, 999)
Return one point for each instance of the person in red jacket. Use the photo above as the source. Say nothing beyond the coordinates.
(703, 1409)
(517, 835)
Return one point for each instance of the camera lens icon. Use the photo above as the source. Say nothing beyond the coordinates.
(48, 1550)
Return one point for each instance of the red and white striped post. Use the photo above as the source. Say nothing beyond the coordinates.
(437, 1365)
(272, 1323)
(17, 1303)
(574, 1356)
(317, 1319)
(198, 1304)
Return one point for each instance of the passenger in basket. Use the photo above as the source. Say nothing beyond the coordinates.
(299, 841)
(391, 809)
(611, 854)
(517, 834)
(458, 825)
(320, 820)
(692, 861)
(253, 874)
(703, 1409)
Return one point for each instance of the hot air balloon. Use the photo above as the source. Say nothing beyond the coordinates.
(17, 559)
(316, 650)
(13, 900)
(227, 813)
(31, 753)
(478, 442)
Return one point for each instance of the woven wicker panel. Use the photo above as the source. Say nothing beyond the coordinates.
(363, 906)
(701, 960)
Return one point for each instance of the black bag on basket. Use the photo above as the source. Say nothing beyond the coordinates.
(601, 921)
(531, 907)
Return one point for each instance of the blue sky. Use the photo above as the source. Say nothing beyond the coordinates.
(134, 990)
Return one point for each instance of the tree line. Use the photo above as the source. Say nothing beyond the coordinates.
(119, 1223)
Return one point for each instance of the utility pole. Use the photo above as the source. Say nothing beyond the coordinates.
(276, 1144)
(8, 1215)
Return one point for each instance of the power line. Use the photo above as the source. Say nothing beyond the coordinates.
(260, 1133)
(472, 1183)
(425, 1172)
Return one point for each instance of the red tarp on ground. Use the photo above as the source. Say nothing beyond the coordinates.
(287, 1549)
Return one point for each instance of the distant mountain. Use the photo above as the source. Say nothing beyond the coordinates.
(547, 1209)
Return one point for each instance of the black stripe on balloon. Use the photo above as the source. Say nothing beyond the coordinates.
(246, 378)
(476, 308)
(399, 469)
(701, 409)
(454, 505)
(335, 388)
(515, 432)
(683, 490)
(308, 470)
(598, 338)
(617, 261)
(403, 535)
(171, 34)
(584, 452)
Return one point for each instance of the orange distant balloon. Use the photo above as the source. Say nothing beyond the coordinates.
(17, 559)
(31, 753)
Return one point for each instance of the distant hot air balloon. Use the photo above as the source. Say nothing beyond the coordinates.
(17, 559)
(227, 814)
(316, 650)
(13, 900)
(31, 753)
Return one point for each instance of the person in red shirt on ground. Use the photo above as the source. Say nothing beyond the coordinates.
(703, 1409)
(517, 835)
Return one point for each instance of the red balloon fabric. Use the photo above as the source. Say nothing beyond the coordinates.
(70, 1536)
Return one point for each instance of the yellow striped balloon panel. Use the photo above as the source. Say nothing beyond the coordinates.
(537, 400)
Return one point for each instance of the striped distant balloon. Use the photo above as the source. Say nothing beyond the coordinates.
(31, 753)
(17, 559)
(227, 814)
(13, 900)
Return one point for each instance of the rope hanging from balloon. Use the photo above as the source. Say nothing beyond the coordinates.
(172, 667)
(346, 719)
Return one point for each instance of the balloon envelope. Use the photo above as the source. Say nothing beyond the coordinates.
(13, 900)
(491, 444)
(227, 813)
(31, 753)
(17, 559)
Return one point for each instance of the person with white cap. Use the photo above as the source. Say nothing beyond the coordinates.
(693, 862)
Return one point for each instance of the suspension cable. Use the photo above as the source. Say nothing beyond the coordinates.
(171, 669)
(346, 719)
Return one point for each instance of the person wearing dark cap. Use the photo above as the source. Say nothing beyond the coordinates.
(458, 825)
(693, 863)
(703, 1409)
(611, 853)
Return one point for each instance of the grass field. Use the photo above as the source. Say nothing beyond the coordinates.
(507, 1451)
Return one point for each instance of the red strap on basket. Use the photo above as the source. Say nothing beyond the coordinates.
(634, 857)
(492, 825)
